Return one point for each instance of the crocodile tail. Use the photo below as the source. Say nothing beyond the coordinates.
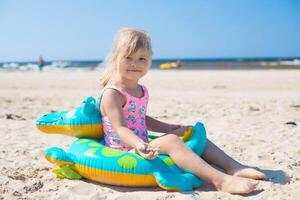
(196, 138)
(201, 138)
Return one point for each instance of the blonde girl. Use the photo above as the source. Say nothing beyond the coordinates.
(124, 105)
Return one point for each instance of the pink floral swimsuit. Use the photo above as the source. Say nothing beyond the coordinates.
(135, 115)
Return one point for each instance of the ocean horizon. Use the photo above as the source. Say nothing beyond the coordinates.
(187, 63)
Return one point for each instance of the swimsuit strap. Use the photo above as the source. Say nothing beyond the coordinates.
(126, 94)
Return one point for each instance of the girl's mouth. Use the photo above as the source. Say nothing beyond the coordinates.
(133, 70)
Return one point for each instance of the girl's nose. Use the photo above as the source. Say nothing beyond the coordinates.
(134, 63)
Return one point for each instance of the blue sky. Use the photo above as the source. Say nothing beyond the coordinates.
(75, 30)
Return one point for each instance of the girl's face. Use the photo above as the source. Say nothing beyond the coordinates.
(134, 66)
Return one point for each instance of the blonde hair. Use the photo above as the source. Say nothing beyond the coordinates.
(127, 42)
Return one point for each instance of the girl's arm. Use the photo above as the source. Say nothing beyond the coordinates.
(162, 127)
(158, 126)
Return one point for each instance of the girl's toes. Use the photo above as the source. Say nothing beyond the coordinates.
(250, 173)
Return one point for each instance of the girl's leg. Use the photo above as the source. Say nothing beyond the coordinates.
(185, 158)
(216, 156)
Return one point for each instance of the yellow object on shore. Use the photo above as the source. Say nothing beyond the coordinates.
(168, 65)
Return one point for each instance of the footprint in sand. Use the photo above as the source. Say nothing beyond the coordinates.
(219, 86)
(14, 116)
(295, 106)
(33, 188)
(291, 123)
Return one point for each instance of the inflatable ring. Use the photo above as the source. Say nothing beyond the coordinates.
(92, 160)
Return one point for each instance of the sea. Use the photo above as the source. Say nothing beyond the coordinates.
(185, 63)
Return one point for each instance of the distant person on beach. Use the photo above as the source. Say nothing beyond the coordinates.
(123, 107)
(178, 64)
(41, 63)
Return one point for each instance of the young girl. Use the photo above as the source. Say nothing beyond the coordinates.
(124, 105)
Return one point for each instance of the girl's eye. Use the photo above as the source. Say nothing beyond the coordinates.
(143, 59)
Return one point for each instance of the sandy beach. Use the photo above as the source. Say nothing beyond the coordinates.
(253, 115)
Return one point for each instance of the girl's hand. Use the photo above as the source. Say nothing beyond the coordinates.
(146, 151)
(178, 130)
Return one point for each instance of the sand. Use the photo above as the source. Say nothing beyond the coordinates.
(254, 116)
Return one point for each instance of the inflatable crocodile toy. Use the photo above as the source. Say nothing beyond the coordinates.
(89, 158)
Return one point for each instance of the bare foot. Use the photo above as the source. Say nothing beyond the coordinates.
(236, 185)
(247, 172)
